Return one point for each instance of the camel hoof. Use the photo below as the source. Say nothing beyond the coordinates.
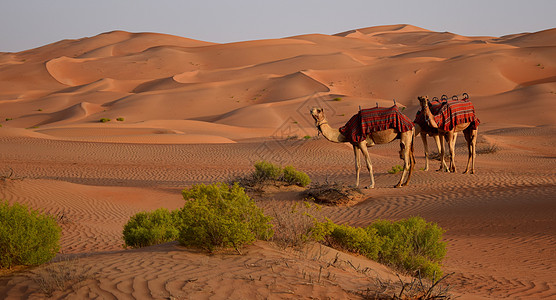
(398, 186)
(370, 187)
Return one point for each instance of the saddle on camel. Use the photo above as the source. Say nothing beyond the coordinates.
(450, 117)
(375, 119)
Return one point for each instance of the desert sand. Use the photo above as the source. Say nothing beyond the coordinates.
(197, 112)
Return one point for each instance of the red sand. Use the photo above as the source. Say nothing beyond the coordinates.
(196, 112)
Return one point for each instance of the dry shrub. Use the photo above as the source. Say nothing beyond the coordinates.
(59, 276)
(488, 149)
(333, 194)
(417, 288)
(293, 226)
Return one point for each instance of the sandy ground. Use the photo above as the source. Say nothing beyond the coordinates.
(196, 112)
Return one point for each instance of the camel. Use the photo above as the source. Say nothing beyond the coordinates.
(470, 130)
(376, 137)
(423, 128)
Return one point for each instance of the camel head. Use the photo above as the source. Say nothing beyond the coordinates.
(423, 101)
(425, 108)
(318, 115)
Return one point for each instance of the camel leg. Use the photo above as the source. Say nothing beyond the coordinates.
(471, 138)
(406, 153)
(357, 164)
(437, 140)
(425, 145)
(452, 144)
(443, 166)
(364, 150)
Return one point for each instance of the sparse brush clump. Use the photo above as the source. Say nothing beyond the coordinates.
(221, 216)
(395, 169)
(413, 244)
(299, 224)
(292, 176)
(268, 172)
(410, 244)
(151, 228)
(27, 237)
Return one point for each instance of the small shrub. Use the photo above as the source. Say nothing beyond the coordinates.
(151, 228)
(307, 137)
(120, 119)
(337, 99)
(267, 171)
(333, 194)
(395, 169)
(292, 176)
(26, 236)
(104, 120)
(412, 244)
(490, 149)
(59, 276)
(220, 216)
(358, 240)
(299, 224)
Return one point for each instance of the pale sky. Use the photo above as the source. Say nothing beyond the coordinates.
(27, 24)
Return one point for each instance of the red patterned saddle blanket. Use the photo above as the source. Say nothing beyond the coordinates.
(375, 119)
(454, 112)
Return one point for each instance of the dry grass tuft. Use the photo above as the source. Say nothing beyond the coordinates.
(488, 149)
(59, 276)
(417, 288)
(292, 225)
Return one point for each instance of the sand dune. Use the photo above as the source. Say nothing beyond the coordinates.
(184, 111)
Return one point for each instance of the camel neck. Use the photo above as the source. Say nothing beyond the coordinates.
(330, 133)
(429, 116)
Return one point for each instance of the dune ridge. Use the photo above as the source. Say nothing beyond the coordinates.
(383, 62)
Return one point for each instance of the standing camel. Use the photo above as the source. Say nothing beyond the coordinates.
(422, 127)
(453, 117)
(366, 135)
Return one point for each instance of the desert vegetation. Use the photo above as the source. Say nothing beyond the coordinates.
(151, 228)
(27, 237)
(214, 216)
(269, 173)
(221, 216)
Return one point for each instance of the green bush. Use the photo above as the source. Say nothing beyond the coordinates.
(413, 244)
(151, 228)
(104, 120)
(26, 236)
(410, 244)
(220, 216)
(358, 240)
(292, 176)
(395, 169)
(267, 171)
(120, 119)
